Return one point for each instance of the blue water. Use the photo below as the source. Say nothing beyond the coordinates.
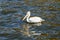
(13, 28)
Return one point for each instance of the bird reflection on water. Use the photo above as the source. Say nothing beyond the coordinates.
(27, 29)
(31, 21)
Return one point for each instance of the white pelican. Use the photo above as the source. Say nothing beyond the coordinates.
(34, 19)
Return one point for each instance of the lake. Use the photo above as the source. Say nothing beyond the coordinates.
(13, 28)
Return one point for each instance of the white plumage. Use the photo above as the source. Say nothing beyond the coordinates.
(32, 19)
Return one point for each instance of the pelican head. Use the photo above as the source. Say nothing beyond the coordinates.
(27, 15)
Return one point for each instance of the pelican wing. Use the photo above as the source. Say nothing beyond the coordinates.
(35, 19)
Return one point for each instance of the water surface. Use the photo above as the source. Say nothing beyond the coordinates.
(13, 28)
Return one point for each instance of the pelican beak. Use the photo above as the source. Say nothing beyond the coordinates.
(24, 17)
